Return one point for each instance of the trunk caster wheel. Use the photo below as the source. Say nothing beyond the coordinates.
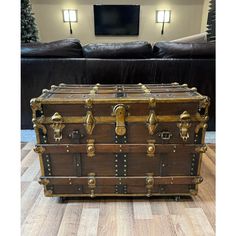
(62, 199)
(177, 198)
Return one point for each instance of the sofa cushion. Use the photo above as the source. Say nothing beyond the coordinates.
(183, 50)
(130, 50)
(67, 48)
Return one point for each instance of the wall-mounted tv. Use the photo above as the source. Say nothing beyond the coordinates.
(116, 19)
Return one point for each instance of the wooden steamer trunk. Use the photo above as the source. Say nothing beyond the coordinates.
(120, 140)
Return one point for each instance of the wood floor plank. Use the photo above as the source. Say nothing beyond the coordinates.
(71, 218)
(124, 218)
(29, 158)
(211, 154)
(28, 146)
(88, 222)
(163, 225)
(144, 227)
(159, 207)
(52, 221)
(28, 199)
(24, 186)
(201, 225)
(142, 209)
(183, 225)
(31, 172)
(175, 208)
(37, 215)
(107, 218)
(24, 153)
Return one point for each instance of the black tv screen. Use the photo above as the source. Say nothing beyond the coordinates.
(116, 19)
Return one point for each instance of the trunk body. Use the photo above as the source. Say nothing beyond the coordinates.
(120, 140)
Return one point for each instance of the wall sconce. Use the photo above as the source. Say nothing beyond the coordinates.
(70, 15)
(163, 16)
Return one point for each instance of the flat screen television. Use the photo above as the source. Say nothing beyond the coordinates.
(116, 19)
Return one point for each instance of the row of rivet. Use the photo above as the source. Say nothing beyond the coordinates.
(48, 164)
(193, 163)
(116, 164)
(124, 189)
(124, 139)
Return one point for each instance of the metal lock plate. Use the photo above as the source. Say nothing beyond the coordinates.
(184, 125)
(120, 113)
(57, 126)
(165, 135)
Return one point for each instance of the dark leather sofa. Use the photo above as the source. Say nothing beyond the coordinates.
(66, 61)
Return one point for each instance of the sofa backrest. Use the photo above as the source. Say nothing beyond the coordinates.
(183, 50)
(130, 50)
(66, 48)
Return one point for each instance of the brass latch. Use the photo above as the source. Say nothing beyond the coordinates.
(92, 184)
(152, 120)
(184, 125)
(119, 111)
(57, 126)
(90, 148)
(149, 184)
(151, 148)
(89, 122)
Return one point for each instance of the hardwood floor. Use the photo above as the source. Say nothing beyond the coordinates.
(111, 216)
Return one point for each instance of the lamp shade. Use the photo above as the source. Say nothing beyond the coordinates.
(163, 16)
(70, 15)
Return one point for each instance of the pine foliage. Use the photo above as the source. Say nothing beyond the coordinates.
(29, 32)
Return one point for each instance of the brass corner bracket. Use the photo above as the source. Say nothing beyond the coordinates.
(39, 149)
(197, 180)
(201, 149)
(43, 181)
